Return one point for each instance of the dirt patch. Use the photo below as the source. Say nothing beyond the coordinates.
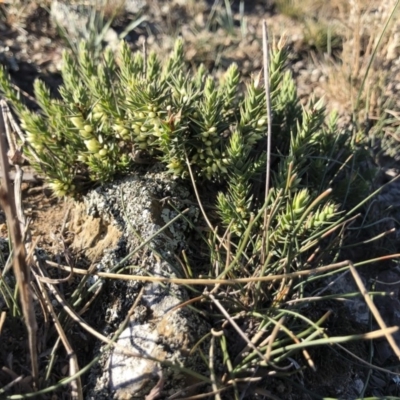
(44, 212)
(92, 236)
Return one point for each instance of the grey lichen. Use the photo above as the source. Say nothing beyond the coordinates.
(139, 203)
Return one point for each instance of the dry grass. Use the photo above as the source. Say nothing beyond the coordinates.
(321, 21)
(301, 9)
(10, 201)
(354, 83)
(363, 69)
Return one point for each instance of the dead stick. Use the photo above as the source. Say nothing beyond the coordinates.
(21, 269)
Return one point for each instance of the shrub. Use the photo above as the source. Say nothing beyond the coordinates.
(131, 109)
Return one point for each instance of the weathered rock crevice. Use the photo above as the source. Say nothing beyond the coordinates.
(159, 329)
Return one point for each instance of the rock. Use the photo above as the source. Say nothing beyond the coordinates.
(167, 335)
(72, 18)
(315, 75)
(83, 18)
(358, 385)
(158, 328)
(356, 306)
(92, 235)
(389, 308)
(134, 6)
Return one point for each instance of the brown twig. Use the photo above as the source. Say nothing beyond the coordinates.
(21, 268)
(155, 393)
(207, 282)
(236, 327)
(374, 311)
(268, 104)
(2, 320)
(76, 385)
(269, 134)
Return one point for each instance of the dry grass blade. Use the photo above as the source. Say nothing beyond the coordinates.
(266, 63)
(2, 320)
(21, 269)
(78, 319)
(306, 354)
(374, 52)
(236, 327)
(156, 391)
(211, 282)
(273, 336)
(377, 334)
(14, 382)
(374, 310)
(9, 117)
(213, 376)
(200, 203)
(76, 385)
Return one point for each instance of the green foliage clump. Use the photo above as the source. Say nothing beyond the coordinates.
(111, 112)
(118, 112)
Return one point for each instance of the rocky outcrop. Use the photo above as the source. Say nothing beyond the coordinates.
(159, 331)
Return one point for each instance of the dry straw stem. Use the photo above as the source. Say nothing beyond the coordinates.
(76, 385)
(14, 382)
(374, 310)
(268, 105)
(230, 282)
(2, 320)
(110, 343)
(200, 203)
(155, 393)
(21, 269)
(205, 282)
(269, 134)
(367, 48)
(237, 328)
(334, 340)
(78, 319)
(375, 51)
(213, 376)
(273, 336)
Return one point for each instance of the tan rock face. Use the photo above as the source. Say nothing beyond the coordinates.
(92, 235)
(161, 332)
(133, 375)
(166, 336)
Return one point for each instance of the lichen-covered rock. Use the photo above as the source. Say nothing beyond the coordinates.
(83, 7)
(165, 334)
(77, 18)
(159, 328)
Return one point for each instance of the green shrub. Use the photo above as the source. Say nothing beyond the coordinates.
(127, 109)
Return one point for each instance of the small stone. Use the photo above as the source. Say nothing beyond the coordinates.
(134, 6)
(315, 75)
(358, 385)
